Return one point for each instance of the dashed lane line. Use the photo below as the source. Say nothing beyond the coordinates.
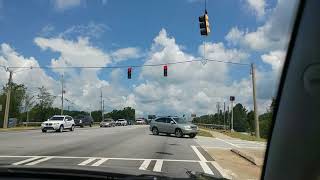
(86, 161)
(145, 164)
(26, 160)
(39, 161)
(98, 163)
(158, 166)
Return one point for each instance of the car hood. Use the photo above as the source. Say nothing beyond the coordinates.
(52, 121)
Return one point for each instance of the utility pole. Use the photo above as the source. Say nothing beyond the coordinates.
(27, 104)
(232, 98)
(102, 109)
(255, 108)
(101, 105)
(224, 115)
(6, 112)
(62, 92)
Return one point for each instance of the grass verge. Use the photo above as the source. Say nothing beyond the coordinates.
(204, 133)
(242, 136)
(19, 128)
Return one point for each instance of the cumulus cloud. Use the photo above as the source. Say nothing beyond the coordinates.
(257, 6)
(65, 5)
(275, 59)
(126, 53)
(189, 87)
(32, 78)
(272, 35)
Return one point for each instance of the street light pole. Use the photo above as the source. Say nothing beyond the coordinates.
(232, 116)
(62, 91)
(6, 112)
(255, 108)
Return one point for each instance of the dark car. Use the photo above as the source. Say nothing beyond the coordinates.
(83, 120)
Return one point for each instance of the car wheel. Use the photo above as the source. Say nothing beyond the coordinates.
(60, 129)
(72, 128)
(90, 125)
(178, 133)
(155, 131)
(43, 130)
(192, 135)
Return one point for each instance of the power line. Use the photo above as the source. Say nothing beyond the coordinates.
(127, 66)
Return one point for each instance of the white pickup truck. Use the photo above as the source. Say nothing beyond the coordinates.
(58, 123)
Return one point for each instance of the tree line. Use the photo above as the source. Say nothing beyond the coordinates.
(243, 120)
(38, 107)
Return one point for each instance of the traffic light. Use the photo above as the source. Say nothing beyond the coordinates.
(165, 70)
(129, 72)
(204, 24)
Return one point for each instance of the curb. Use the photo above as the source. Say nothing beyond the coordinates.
(254, 160)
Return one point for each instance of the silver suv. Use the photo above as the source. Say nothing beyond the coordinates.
(173, 125)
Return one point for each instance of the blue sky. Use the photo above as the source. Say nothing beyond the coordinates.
(126, 33)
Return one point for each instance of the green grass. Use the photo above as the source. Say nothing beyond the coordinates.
(19, 128)
(242, 136)
(204, 133)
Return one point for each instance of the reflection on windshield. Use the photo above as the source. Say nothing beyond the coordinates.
(180, 120)
(56, 119)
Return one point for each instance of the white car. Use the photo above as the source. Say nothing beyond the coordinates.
(121, 122)
(58, 123)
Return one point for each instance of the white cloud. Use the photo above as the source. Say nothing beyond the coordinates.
(92, 29)
(32, 78)
(257, 6)
(272, 35)
(275, 59)
(126, 53)
(47, 30)
(66, 4)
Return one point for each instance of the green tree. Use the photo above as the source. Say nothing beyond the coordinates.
(240, 122)
(43, 109)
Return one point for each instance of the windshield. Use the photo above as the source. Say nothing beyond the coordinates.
(212, 66)
(56, 118)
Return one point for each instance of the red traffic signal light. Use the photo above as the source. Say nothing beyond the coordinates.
(165, 70)
(129, 72)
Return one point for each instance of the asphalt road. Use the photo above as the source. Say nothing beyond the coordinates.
(132, 147)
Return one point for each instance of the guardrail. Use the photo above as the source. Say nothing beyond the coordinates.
(212, 126)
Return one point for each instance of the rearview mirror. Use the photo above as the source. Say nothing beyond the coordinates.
(171, 122)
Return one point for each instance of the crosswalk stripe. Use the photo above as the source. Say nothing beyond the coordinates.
(25, 161)
(145, 164)
(87, 161)
(98, 163)
(158, 166)
(205, 167)
(39, 161)
(201, 157)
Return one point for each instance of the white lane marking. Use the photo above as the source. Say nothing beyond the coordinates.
(205, 167)
(158, 166)
(87, 161)
(201, 157)
(220, 170)
(98, 163)
(39, 161)
(83, 157)
(145, 164)
(228, 143)
(25, 161)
